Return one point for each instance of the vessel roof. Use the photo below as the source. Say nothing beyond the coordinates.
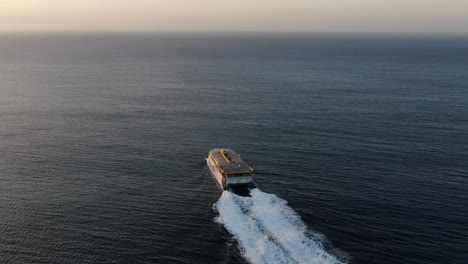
(229, 161)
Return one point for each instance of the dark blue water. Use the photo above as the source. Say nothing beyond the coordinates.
(103, 139)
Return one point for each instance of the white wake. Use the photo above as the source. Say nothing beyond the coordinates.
(268, 230)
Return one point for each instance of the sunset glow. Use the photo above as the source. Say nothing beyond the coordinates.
(242, 15)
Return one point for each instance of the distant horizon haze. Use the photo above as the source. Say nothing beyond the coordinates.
(350, 16)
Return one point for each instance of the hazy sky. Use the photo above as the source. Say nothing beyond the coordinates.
(449, 16)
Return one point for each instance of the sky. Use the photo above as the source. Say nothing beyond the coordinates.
(445, 16)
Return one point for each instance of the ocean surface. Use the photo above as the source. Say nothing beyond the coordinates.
(360, 145)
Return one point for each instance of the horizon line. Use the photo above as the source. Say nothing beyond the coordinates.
(302, 32)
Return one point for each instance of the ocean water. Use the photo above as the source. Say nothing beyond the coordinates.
(360, 145)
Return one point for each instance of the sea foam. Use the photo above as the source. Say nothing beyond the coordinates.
(269, 231)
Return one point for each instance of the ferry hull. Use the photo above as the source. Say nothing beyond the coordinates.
(216, 174)
(231, 181)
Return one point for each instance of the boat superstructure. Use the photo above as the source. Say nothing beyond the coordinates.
(228, 168)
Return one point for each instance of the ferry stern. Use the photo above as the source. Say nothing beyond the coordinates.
(229, 170)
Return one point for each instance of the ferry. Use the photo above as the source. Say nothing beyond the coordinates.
(228, 169)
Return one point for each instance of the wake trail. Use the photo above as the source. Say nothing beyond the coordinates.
(269, 231)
